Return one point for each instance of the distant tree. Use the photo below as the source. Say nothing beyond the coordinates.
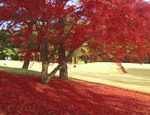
(6, 47)
(25, 38)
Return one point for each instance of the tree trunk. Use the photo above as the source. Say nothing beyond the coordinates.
(70, 61)
(44, 73)
(26, 64)
(45, 62)
(54, 72)
(64, 72)
(85, 59)
(62, 56)
(75, 60)
(60, 66)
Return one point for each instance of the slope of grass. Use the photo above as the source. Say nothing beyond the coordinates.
(20, 71)
(22, 95)
(137, 78)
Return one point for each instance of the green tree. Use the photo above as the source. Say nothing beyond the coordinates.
(6, 48)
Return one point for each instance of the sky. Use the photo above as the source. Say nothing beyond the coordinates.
(72, 2)
(147, 0)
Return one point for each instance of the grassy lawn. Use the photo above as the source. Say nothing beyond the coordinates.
(137, 78)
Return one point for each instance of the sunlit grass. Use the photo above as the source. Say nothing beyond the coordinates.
(137, 78)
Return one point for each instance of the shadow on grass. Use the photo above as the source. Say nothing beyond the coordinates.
(20, 71)
(27, 95)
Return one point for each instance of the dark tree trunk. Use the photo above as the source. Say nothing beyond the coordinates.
(26, 64)
(75, 60)
(70, 61)
(62, 56)
(64, 72)
(85, 59)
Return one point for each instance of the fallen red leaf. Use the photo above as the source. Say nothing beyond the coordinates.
(22, 95)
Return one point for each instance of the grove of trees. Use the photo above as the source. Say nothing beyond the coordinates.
(46, 30)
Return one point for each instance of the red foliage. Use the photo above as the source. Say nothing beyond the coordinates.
(23, 95)
(121, 27)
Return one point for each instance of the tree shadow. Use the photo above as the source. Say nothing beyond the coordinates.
(27, 95)
(20, 71)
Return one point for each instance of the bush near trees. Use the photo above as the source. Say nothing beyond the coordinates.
(54, 27)
(6, 47)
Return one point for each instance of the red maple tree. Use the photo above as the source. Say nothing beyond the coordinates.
(118, 27)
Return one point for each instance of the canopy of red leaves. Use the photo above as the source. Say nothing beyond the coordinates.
(120, 27)
(22, 95)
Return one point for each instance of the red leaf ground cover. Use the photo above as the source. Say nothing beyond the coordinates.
(22, 95)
